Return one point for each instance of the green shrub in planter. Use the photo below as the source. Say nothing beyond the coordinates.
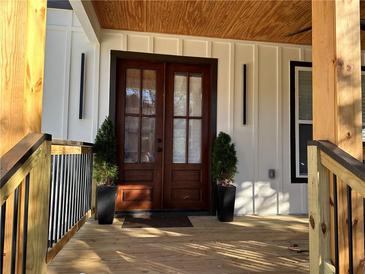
(224, 168)
(105, 171)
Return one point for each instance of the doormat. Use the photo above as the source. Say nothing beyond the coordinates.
(156, 221)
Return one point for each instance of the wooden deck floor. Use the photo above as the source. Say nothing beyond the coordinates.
(249, 245)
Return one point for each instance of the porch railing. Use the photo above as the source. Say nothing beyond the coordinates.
(71, 201)
(328, 167)
(46, 195)
(24, 192)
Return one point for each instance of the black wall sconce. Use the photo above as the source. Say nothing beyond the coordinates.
(244, 95)
(82, 84)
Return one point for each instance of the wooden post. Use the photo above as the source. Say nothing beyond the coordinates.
(337, 99)
(22, 44)
(319, 213)
(40, 177)
(22, 47)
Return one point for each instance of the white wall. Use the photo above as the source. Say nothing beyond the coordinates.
(65, 41)
(262, 144)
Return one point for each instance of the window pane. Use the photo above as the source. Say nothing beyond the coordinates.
(195, 138)
(149, 92)
(133, 91)
(148, 140)
(305, 135)
(179, 141)
(195, 96)
(180, 94)
(131, 135)
(305, 95)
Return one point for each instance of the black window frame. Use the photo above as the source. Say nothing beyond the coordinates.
(293, 152)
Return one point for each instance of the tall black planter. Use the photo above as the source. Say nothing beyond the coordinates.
(226, 198)
(105, 207)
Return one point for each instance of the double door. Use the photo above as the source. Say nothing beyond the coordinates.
(162, 130)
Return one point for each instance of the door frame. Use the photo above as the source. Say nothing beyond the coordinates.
(151, 57)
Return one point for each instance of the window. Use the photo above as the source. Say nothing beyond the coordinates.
(301, 121)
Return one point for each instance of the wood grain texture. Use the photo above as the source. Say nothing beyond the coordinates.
(270, 21)
(13, 17)
(250, 244)
(38, 212)
(22, 35)
(34, 64)
(20, 174)
(337, 101)
(66, 149)
(67, 237)
(357, 184)
(319, 212)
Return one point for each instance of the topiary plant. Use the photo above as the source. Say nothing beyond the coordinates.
(105, 147)
(224, 160)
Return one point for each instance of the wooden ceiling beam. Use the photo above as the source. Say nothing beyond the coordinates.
(85, 12)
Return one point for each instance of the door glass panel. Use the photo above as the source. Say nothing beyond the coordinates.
(195, 138)
(149, 92)
(131, 135)
(179, 141)
(195, 95)
(148, 140)
(133, 90)
(180, 94)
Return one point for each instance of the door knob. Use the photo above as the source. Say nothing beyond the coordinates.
(159, 149)
(159, 140)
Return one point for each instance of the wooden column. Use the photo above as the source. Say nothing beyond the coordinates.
(337, 99)
(22, 44)
(22, 48)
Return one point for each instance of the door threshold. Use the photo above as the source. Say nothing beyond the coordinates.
(162, 213)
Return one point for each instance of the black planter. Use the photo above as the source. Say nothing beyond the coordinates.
(226, 198)
(105, 199)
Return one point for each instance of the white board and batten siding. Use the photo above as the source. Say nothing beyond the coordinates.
(262, 144)
(65, 41)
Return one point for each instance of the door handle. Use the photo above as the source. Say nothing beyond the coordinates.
(159, 140)
(159, 149)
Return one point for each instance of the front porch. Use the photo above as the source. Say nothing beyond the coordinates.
(250, 244)
(271, 93)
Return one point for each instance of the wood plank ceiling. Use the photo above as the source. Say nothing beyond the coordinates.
(269, 21)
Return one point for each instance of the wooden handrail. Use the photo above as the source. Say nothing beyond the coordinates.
(342, 157)
(30, 234)
(70, 143)
(329, 166)
(70, 147)
(24, 196)
(11, 161)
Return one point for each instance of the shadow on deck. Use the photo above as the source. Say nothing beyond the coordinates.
(251, 244)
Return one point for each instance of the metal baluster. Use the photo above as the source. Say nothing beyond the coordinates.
(25, 221)
(57, 198)
(14, 240)
(349, 225)
(2, 235)
(67, 192)
(335, 209)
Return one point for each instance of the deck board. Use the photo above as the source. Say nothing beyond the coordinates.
(251, 244)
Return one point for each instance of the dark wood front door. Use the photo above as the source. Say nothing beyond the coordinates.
(187, 137)
(162, 129)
